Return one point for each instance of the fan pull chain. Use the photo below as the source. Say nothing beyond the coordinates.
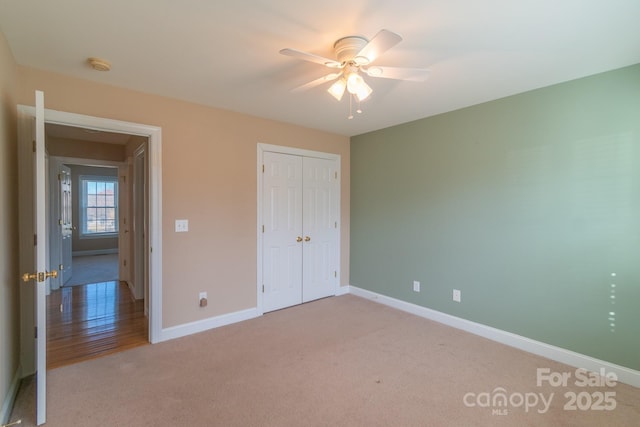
(350, 102)
(358, 110)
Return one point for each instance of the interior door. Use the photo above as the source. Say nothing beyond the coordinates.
(66, 224)
(39, 277)
(282, 232)
(320, 213)
(300, 210)
(139, 226)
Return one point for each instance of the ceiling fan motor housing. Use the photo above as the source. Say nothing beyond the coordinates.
(347, 48)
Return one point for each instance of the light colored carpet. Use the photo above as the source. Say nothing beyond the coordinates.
(341, 361)
(94, 269)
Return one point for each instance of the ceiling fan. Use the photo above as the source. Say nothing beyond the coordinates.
(354, 56)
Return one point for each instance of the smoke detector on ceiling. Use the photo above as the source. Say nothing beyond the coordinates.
(99, 64)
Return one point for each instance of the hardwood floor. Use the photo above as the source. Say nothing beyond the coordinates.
(93, 320)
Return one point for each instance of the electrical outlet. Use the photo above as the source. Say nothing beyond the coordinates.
(182, 225)
(202, 299)
(457, 295)
(416, 286)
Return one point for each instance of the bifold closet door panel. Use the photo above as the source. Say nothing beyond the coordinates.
(319, 222)
(282, 239)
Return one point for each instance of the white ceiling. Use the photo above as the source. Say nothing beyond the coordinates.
(225, 53)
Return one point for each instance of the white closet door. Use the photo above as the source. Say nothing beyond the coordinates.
(282, 237)
(319, 220)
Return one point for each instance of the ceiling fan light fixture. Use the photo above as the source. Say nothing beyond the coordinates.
(363, 91)
(337, 89)
(358, 87)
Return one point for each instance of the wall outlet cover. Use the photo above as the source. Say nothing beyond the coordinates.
(182, 225)
(416, 286)
(457, 295)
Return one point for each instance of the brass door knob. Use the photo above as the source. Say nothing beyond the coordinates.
(29, 276)
(40, 277)
(298, 239)
(307, 238)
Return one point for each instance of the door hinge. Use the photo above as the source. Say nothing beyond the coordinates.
(59, 177)
(336, 226)
(35, 240)
(335, 273)
(263, 168)
(124, 262)
(263, 228)
(124, 179)
(60, 222)
(61, 267)
(35, 332)
(336, 174)
(34, 145)
(263, 289)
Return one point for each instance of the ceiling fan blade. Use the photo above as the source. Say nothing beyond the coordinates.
(317, 82)
(306, 56)
(379, 44)
(398, 73)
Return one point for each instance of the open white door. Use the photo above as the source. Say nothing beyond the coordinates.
(41, 307)
(39, 277)
(65, 223)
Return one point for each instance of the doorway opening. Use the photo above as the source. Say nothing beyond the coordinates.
(98, 304)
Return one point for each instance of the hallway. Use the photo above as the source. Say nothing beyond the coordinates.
(88, 321)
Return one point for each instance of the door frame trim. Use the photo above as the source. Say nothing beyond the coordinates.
(261, 149)
(154, 135)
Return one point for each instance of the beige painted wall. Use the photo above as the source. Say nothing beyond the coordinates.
(85, 150)
(208, 177)
(9, 292)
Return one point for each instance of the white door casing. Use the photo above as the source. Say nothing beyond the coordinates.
(153, 239)
(298, 226)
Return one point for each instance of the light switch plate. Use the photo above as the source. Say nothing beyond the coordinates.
(182, 225)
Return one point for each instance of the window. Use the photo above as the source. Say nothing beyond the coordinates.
(99, 206)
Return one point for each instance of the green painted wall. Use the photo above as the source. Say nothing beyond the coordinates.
(529, 205)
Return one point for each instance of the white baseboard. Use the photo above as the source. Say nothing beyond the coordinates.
(342, 290)
(558, 354)
(95, 252)
(206, 324)
(7, 405)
